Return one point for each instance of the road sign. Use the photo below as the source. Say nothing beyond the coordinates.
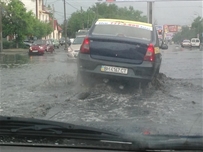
(159, 27)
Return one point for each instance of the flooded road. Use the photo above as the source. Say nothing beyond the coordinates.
(45, 87)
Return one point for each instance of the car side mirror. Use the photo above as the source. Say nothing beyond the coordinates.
(164, 46)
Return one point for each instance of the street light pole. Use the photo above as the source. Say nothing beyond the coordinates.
(1, 37)
(65, 25)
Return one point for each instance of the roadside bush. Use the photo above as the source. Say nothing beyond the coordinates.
(12, 45)
(9, 45)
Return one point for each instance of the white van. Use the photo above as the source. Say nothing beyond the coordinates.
(195, 42)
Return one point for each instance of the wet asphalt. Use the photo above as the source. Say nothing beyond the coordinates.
(45, 87)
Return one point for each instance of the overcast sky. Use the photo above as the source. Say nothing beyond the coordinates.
(165, 11)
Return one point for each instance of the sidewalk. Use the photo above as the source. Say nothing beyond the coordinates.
(14, 51)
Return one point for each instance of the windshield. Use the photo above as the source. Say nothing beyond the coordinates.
(38, 42)
(133, 67)
(78, 40)
(187, 41)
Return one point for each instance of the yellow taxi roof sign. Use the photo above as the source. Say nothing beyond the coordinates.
(125, 21)
(128, 23)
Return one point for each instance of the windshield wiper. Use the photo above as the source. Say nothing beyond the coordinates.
(46, 128)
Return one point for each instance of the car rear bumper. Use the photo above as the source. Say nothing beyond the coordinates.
(195, 45)
(86, 64)
(186, 45)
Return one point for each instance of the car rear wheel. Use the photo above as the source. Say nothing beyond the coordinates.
(157, 71)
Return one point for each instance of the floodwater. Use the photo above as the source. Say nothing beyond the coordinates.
(45, 87)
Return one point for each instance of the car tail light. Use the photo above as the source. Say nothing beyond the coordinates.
(150, 54)
(85, 47)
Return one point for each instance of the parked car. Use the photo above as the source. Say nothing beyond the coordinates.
(195, 42)
(38, 47)
(55, 43)
(50, 46)
(27, 43)
(186, 43)
(62, 41)
(74, 48)
(119, 49)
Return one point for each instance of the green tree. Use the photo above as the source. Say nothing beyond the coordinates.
(20, 23)
(41, 29)
(190, 32)
(186, 33)
(84, 19)
(16, 20)
(197, 25)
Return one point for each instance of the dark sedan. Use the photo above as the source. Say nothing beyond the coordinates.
(120, 49)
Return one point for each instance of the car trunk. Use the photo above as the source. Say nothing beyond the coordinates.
(118, 49)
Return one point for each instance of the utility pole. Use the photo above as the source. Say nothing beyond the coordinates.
(65, 25)
(53, 21)
(150, 12)
(87, 20)
(37, 9)
(1, 38)
(82, 17)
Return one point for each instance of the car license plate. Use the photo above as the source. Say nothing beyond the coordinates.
(35, 51)
(114, 69)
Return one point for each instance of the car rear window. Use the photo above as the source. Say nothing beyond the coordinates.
(78, 40)
(131, 31)
(186, 41)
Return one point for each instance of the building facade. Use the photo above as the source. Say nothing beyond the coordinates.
(43, 14)
(57, 30)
